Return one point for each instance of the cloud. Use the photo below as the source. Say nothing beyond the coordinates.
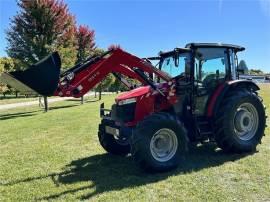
(265, 7)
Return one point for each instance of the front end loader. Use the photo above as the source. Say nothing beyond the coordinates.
(195, 95)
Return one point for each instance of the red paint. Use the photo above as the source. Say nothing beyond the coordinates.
(147, 99)
(134, 93)
(150, 101)
(213, 99)
(118, 61)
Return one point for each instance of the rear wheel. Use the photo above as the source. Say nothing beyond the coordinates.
(240, 123)
(159, 142)
(109, 142)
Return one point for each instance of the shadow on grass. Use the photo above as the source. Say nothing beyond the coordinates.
(32, 113)
(18, 115)
(107, 173)
(85, 101)
(63, 107)
(93, 100)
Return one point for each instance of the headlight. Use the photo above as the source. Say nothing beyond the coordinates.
(127, 101)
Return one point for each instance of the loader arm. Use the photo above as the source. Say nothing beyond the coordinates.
(77, 83)
(44, 77)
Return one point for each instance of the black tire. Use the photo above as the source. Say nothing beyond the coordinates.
(146, 130)
(108, 141)
(226, 134)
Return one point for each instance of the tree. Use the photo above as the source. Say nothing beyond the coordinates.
(6, 65)
(256, 72)
(86, 42)
(3, 87)
(242, 65)
(114, 46)
(41, 27)
(106, 81)
(105, 84)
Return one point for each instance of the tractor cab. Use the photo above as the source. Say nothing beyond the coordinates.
(201, 68)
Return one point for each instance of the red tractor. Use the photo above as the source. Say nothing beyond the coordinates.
(194, 95)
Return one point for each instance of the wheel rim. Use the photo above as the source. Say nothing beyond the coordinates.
(163, 145)
(246, 121)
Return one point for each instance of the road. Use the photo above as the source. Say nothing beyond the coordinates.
(50, 100)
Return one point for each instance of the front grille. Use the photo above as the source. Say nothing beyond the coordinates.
(125, 112)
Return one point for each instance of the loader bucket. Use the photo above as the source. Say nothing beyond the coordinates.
(41, 78)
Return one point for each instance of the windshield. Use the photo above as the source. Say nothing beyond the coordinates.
(168, 65)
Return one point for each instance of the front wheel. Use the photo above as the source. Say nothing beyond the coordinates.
(110, 143)
(159, 142)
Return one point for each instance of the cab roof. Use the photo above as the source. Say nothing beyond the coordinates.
(180, 50)
(215, 45)
(189, 46)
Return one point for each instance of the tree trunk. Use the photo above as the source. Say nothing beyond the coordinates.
(99, 95)
(16, 94)
(82, 100)
(45, 103)
(95, 93)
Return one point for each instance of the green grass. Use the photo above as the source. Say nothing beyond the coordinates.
(57, 156)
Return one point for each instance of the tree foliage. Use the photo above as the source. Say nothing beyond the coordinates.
(6, 65)
(40, 27)
(114, 46)
(43, 26)
(256, 72)
(86, 42)
(108, 80)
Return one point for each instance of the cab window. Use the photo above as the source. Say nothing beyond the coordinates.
(211, 64)
(169, 66)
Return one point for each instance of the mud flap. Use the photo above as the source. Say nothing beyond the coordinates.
(41, 78)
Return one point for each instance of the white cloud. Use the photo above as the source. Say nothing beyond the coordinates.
(265, 7)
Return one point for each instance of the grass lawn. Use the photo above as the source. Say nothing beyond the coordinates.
(57, 156)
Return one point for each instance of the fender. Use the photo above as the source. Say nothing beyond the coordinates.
(220, 92)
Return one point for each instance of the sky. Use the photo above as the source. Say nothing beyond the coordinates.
(145, 27)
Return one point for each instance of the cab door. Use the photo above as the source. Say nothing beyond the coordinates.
(212, 67)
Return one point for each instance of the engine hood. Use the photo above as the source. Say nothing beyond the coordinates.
(134, 93)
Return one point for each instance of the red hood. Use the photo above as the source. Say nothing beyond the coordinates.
(134, 93)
